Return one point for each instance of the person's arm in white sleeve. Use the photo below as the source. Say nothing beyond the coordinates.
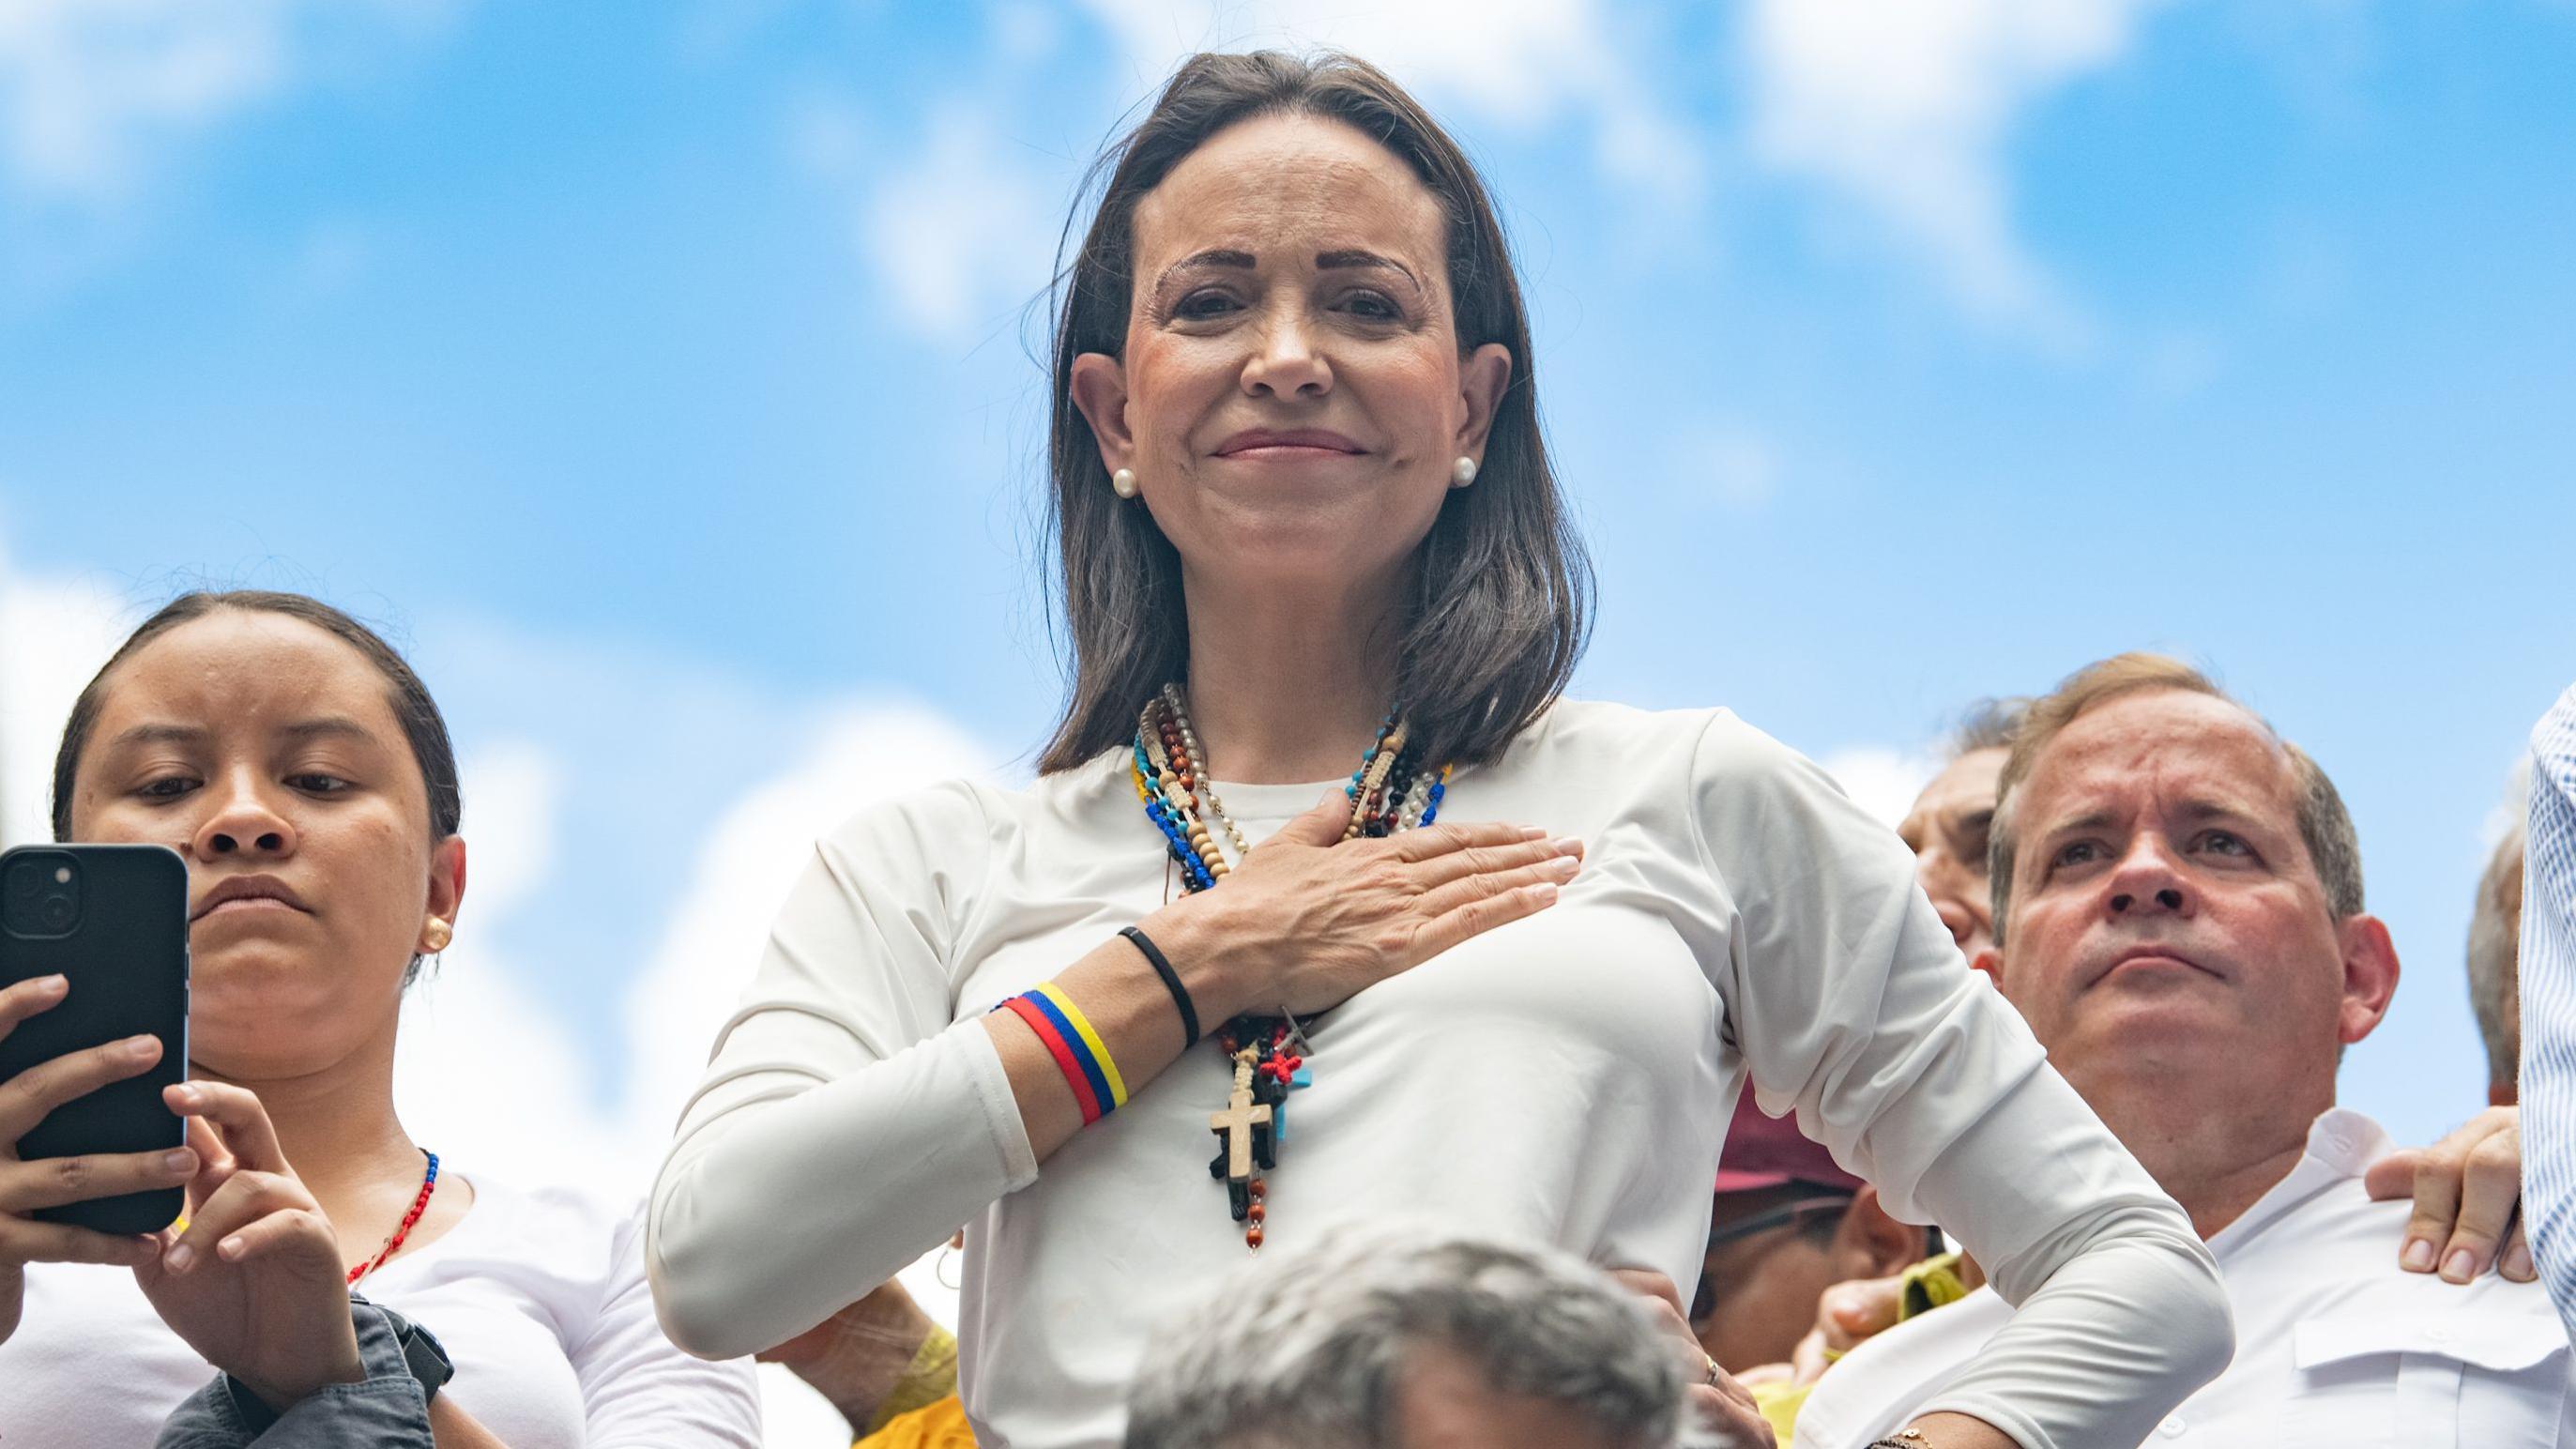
(638, 1390)
(1850, 1002)
(849, 1119)
(2548, 967)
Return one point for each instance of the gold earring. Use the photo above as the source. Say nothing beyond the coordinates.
(435, 936)
(1123, 482)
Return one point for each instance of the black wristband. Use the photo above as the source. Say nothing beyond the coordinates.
(1171, 981)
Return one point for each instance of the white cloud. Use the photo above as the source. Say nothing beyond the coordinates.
(964, 231)
(53, 634)
(1522, 63)
(1883, 781)
(1725, 461)
(1906, 107)
(88, 87)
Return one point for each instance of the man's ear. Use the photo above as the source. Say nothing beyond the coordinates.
(1872, 1244)
(1990, 965)
(1100, 393)
(2369, 975)
(1482, 376)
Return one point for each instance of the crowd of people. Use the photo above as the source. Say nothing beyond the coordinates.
(1644, 1090)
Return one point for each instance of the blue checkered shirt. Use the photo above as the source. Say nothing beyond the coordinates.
(2549, 1006)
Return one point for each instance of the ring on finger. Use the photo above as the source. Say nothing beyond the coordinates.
(1716, 1374)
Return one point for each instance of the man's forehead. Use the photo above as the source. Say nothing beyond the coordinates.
(2162, 740)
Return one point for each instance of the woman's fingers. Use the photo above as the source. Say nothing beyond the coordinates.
(23, 1240)
(26, 998)
(237, 1118)
(246, 1198)
(1455, 865)
(1321, 825)
(292, 1230)
(56, 1181)
(26, 1098)
(1552, 872)
(1477, 917)
(1423, 844)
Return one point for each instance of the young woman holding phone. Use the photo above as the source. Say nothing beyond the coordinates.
(304, 773)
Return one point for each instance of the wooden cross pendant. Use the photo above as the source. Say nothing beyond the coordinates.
(1244, 1127)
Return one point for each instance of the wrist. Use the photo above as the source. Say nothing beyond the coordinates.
(1210, 956)
(278, 1395)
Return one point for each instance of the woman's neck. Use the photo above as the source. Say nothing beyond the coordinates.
(339, 1131)
(1286, 688)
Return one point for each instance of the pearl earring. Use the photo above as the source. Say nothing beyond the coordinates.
(1462, 472)
(436, 935)
(1124, 482)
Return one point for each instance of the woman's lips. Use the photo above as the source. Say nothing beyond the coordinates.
(1287, 445)
(1286, 453)
(242, 904)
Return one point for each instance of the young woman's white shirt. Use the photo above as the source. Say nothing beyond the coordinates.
(1567, 1078)
(538, 1297)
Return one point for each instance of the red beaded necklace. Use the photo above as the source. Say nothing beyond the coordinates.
(402, 1230)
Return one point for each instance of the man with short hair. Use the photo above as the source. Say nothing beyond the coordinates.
(2179, 915)
(1949, 825)
(1393, 1337)
(2495, 989)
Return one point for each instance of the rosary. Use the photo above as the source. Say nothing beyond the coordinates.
(1390, 791)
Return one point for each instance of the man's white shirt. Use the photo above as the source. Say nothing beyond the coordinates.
(2335, 1344)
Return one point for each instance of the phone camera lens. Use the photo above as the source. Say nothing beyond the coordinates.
(56, 912)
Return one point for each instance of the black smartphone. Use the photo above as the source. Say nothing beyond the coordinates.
(113, 920)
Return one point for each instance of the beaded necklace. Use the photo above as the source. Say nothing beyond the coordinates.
(1390, 791)
(402, 1230)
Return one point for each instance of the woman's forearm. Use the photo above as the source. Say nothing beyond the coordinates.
(1959, 1431)
(786, 1197)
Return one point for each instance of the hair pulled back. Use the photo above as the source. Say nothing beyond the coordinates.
(423, 726)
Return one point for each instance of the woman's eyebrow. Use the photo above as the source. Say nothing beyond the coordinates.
(159, 733)
(339, 726)
(1341, 260)
(1215, 257)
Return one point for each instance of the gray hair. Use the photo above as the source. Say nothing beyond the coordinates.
(1311, 1348)
(1989, 724)
(2495, 930)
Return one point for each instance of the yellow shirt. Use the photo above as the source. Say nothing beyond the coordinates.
(941, 1425)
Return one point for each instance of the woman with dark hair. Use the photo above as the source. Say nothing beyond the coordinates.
(1309, 533)
(303, 772)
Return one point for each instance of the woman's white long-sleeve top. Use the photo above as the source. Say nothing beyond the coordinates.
(1567, 1078)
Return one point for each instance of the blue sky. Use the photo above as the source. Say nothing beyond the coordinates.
(666, 384)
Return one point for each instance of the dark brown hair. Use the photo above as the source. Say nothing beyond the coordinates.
(1502, 598)
(422, 725)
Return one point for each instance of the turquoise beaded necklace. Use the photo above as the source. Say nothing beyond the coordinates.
(1390, 791)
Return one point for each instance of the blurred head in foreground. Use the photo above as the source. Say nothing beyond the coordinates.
(1378, 1338)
